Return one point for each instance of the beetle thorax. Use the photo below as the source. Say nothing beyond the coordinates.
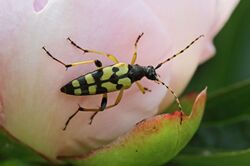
(137, 72)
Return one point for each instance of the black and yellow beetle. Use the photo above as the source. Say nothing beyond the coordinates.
(116, 77)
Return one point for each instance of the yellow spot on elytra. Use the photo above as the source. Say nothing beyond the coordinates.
(123, 68)
(75, 83)
(109, 86)
(92, 89)
(78, 91)
(89, 78)
(107, 73)
(125, 82)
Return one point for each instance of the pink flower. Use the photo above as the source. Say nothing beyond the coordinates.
(32, 108)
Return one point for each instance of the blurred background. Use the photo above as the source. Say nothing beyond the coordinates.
(224, 135)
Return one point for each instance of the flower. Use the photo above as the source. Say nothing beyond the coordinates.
(32, 108)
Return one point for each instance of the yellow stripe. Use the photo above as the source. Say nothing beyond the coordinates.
(92, 89)
(107, 73)
(109, 86)
(123, 69)
(78, 91)
(125, 82)
(75, 83)
(89, 78)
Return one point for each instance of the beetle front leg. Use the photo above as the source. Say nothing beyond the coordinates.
(141, 88)
(135, 52)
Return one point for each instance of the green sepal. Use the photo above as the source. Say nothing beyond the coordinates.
(153, 141)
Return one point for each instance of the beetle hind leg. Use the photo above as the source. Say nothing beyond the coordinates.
(96, 62)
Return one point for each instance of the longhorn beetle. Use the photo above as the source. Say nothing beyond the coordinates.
(116, 77)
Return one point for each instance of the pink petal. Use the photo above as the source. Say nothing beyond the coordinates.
(224, 9)
(34, 109)
(186, 20)
(39, 4)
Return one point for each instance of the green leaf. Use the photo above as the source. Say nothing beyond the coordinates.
(229, 105)
(224, 134)
(241, 158)
(231, 62)
(16, 162)
(152, 142)
(227, 123)
(13, 153)
(223, 138)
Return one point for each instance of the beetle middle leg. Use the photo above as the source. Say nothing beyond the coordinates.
(117, 101)
(103, 106)
(109, 56)
(96, 110)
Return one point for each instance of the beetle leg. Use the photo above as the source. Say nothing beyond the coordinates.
(67, 122)
(103, 106)
(109, 56)
(135, 52)
(141, 88)
(96, 62)
(117, 101)
(96, 110)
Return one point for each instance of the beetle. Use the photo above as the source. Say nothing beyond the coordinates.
(117, 77)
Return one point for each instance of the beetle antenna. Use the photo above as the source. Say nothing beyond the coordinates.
(180, 52)
(173, 93)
